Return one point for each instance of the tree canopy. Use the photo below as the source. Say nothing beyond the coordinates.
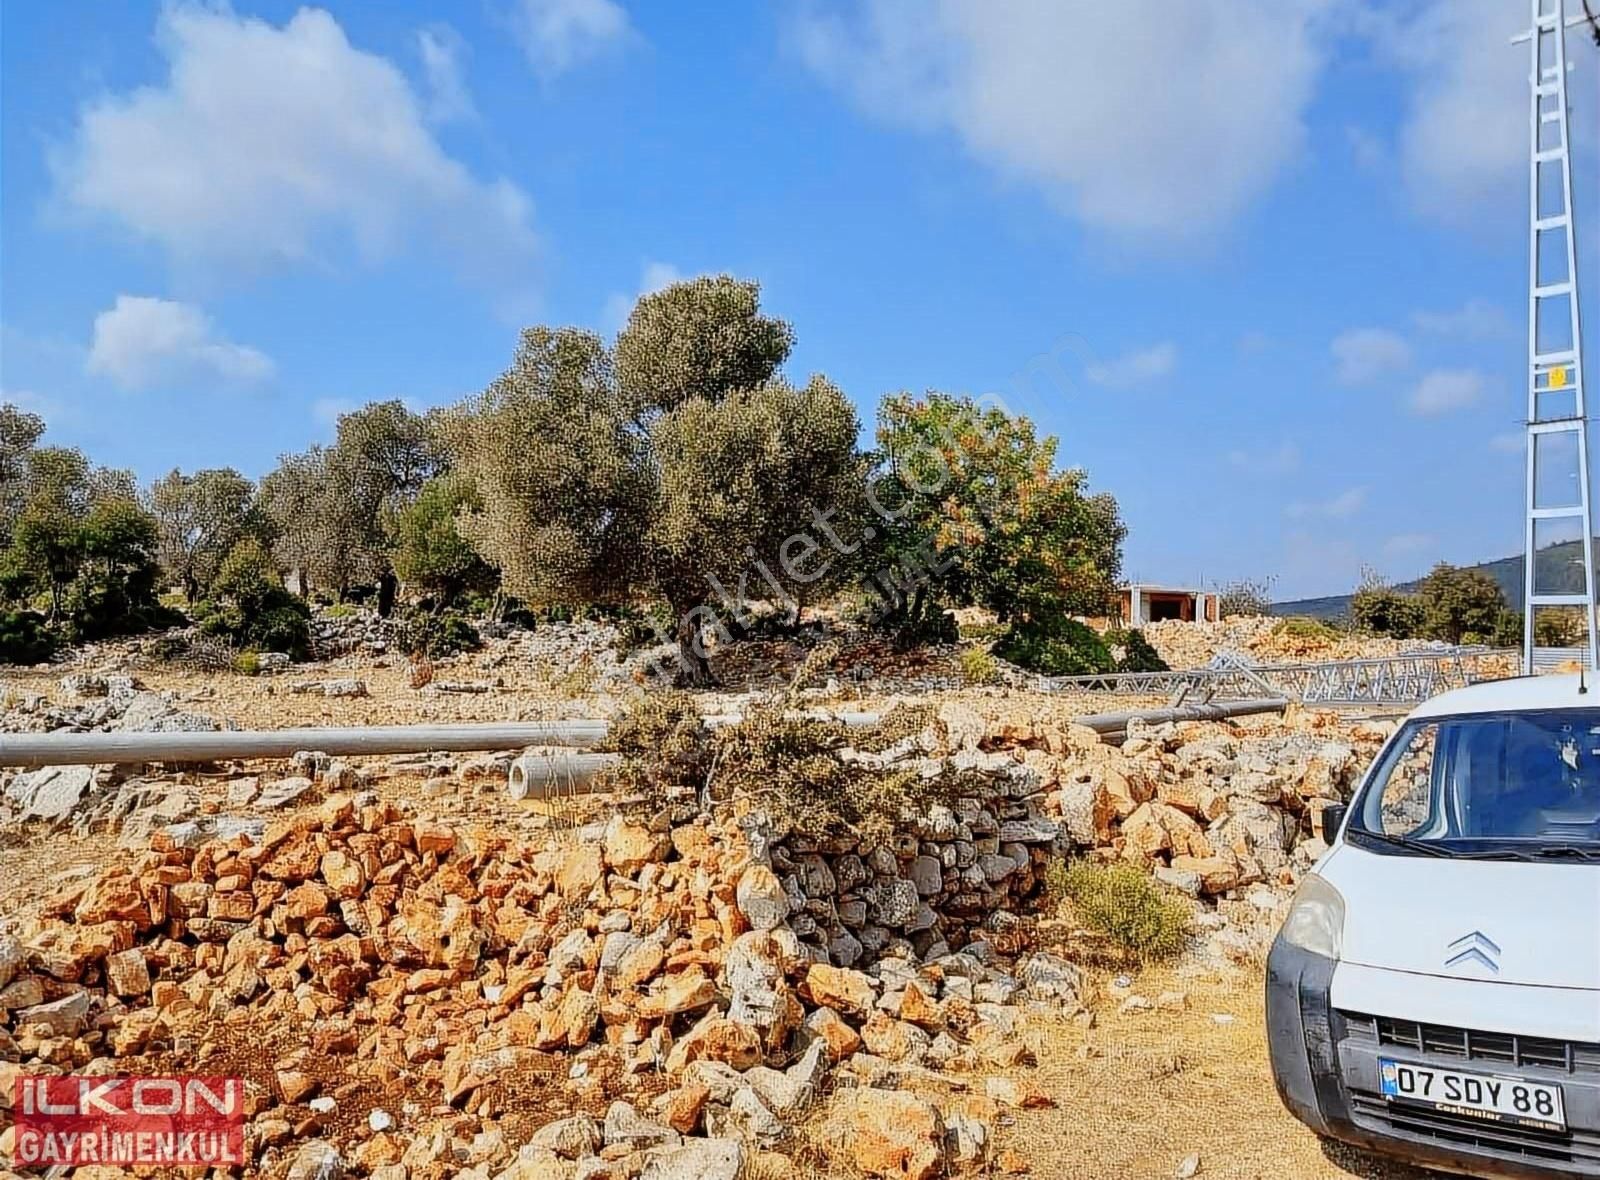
(675, 464)
(978, 514)
(199, 519)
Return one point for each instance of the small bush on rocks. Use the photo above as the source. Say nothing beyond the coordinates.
(435, 635)
(638, 629)
(1136, 653)
(1124, 904)
(1304, 627)
(664, 752)
(247, 663)
(979, 667)
(1056, 647)
(787, 765)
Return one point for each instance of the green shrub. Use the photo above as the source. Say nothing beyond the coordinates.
(1383, 610)
(1137, 654)
(247, 663)
(982, 632)
(251, 609)
(24, 638)
(1124, 903)
(442, 634)
(1059, 647)
(1552, 627)
(638, 629)
(931, 625)
(1304, 627)
(979, 667)
(342, 610)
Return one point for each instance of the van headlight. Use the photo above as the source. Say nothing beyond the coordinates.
(1316, 918)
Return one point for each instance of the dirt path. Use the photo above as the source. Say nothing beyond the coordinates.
(1138, 1093)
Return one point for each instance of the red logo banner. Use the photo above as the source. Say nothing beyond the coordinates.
(182, 1121)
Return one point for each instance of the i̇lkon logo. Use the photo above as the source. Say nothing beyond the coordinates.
(183, 1121)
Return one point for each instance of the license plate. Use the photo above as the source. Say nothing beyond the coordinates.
(1491, 1097)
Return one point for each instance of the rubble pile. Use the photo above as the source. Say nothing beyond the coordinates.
(1265, 641)
(671, 992)
(419, 1000)
(591, 649)
(1208, 806)
(342, 631)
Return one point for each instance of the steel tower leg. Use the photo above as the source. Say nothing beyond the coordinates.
(1558, 502)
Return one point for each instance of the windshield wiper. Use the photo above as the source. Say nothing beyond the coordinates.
(1528, 852)
(1409, 843)
(1552, 851)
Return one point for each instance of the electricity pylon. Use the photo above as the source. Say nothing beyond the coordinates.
(1558, 447)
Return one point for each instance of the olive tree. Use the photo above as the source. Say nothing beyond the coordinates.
(199, 519)
(678, 464)
(333, 509)
(20, 433)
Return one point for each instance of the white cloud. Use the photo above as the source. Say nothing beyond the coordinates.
(655, 277)
(1123, 119)
(267, 145)
(441, 49)
(1341, 507)
(559, 34)
(143, 341)
(1365, 355)
(1444, 390)
(1280, 460)
(1136, 368)
(1477, 319)
(1463, 143)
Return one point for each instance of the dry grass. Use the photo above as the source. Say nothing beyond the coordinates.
(1138, 1093)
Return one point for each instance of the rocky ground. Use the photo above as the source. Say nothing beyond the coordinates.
(1265, 640)
(420, 977)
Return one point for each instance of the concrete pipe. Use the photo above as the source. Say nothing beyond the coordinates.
(91, 749)
(541, 776)
(1106, 724)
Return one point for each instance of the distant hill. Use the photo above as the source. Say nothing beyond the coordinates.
(1564, 563)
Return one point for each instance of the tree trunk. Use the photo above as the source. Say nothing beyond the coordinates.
(695, 669)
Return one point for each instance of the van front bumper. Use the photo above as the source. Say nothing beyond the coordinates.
(1326, 1071)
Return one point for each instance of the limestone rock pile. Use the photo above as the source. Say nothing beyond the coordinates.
(1208, 806)
(342, 631)
(415, 997)
(1261, 638)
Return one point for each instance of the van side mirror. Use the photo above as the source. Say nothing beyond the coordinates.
(1332, 820)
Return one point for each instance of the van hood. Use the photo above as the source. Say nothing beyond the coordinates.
(1495, 921)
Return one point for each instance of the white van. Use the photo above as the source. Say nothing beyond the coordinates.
(1434, 993)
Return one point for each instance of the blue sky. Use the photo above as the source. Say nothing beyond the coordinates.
(1260, 264)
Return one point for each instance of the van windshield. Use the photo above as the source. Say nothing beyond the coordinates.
(1489, 785)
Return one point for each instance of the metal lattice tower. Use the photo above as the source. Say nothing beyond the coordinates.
(1558, 451)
